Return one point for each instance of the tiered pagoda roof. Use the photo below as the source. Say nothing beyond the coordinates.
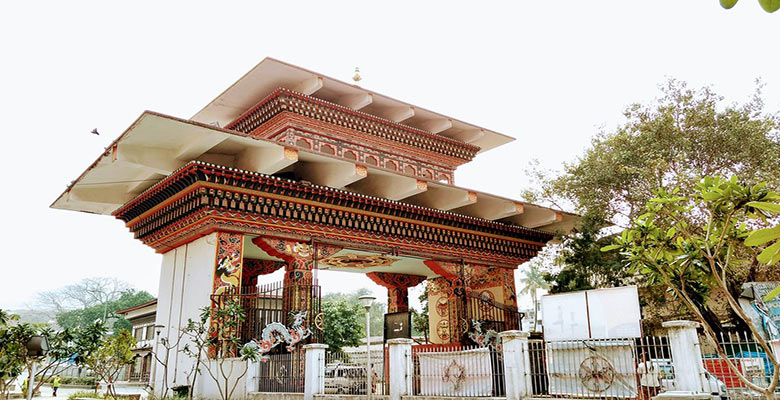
(317, 134)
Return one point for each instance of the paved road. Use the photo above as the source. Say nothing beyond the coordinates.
(63, 393)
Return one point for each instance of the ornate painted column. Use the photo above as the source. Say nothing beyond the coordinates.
(447, 302)
(397, 288)
(227, 282)
(227, 265)
(465, 295)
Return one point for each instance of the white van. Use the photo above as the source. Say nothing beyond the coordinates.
(345, 379)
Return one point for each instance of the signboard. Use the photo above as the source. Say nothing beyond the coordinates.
(398, 325)
(592, 314)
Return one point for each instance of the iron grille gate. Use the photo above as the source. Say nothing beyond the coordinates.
(276, 302)
(282, 371)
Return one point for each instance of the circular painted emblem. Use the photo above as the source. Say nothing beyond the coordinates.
(442, 305)
(443, 330)
(319, 321)
(596, 374)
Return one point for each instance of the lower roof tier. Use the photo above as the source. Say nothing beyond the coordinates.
(200, 198)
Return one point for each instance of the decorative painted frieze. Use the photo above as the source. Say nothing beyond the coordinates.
(201, 198)
(262, 120)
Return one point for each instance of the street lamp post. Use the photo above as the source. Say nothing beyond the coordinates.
(37, 347)
(367, 300)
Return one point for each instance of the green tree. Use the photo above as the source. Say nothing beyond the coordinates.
(421, 320)
(216, 350)
(669, 143)
(65, 346)
(768, 5)
(583, 265)
(343, 326)
(116, 323)
(684, 135)
(683, 241)
(13, 352)
(532, 281)
(376, 314)
(110, 357)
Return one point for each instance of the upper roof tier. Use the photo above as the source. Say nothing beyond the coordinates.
(271, 74)
(319, 138)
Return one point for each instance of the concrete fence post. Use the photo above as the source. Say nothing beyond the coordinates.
(314, 375)
(400, 362)
(252, 377)
(517, 364)
(686, 355)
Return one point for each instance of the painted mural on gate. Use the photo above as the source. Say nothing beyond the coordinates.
(494, 285)
(227, 272)
(762, 308)
(227, 278)
(276, 333)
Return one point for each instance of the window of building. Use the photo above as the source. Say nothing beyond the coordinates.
(150, 332)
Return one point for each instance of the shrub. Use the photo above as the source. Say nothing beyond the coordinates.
(85, 394)
(72, 380)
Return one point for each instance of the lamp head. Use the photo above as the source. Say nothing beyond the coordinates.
(37, 346)
(367, 300)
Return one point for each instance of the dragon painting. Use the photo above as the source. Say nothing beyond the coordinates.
(276, 333)
(482, 338)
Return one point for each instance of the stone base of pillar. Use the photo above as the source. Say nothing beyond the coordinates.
(314, 379)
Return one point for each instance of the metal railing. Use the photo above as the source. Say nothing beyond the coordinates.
(600, 368)
(460, 371)
(276, 302)
(747, 356)
(282, 373)
(345, 373)
(494, 315)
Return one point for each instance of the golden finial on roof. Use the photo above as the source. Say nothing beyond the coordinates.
(357, 77)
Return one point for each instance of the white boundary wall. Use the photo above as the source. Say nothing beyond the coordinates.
(186, 279)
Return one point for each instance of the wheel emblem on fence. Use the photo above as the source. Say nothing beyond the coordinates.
(455, 374)
(596, 374)
(319, 321)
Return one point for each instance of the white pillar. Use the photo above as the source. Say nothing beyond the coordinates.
(686, 355)
(314, 378)
(252, 377)
(400, 362)
(517, 364)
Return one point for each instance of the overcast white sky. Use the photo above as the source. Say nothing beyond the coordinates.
(549, 73)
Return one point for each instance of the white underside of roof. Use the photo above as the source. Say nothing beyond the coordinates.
(156, 145)
(271, 74)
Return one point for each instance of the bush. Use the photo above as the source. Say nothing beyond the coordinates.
(85, 394)
(71, 380)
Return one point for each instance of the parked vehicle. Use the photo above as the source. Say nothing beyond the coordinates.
(345, 379)
(666, 375)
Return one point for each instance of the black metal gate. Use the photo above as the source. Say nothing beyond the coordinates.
(491, 314)
(282, 371)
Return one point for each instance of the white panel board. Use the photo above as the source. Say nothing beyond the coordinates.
(614, 313)
(565, 316)
(599, 314)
